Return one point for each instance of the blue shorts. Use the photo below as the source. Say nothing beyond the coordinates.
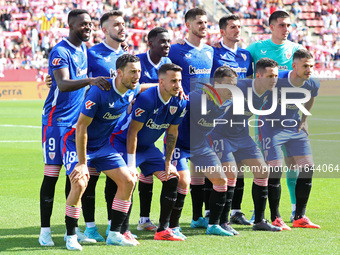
(149, 159)
(296, 144)
(180, 158)
(204, 157)
(235, 148)
(51, 143)
(102, 159)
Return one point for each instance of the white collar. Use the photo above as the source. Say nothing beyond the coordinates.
(161, 98)
(197, 48)
(110, 48)
(72, 45)
(150, 61)
(226, 47)
(115, 88)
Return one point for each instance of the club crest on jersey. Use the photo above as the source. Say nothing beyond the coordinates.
(89, 104)
(244, 56)
(107, 59)
(188, 55)
(138, 112)
(51, 155)
(56, 61)
(209, 54)
(173, 109)
(288, 54)
(263, 52)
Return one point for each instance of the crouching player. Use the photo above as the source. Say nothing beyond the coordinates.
(86, 144)
(155, 111)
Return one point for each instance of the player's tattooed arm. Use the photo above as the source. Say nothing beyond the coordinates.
(303, 124)
(65, 84)
(171, 138)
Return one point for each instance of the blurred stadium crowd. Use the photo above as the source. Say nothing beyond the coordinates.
(30, 29)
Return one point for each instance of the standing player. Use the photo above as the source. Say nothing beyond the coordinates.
(88, 145)
(155, 111)
(68, 69)
(102, 62)
(232, 142)
(294, 136)
(228, 53)
(151, 61)
(281, 50)
(196, 59)
(196, 147)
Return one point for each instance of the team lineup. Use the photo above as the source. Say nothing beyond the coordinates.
(184, 93)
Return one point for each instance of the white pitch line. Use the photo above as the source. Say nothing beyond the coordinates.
(320, 119)
(23, 126)
(21, 141)
(321, 140)
(336, 133)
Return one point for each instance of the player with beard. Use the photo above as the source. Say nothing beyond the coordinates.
(86, 143)
(68, 71)
(196, 60)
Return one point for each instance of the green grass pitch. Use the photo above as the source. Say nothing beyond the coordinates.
(21, 169)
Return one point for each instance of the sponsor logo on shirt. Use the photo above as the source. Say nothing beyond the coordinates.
(152, 125)
(107, 59)
(109, 116)
(155, 111)
(202, 122)
(244, 56)
(209, 54)
(138, 112)
(263, 52)
(111, 105)
(194, 70)
(75, 58)
(89, 104)
(113, 73)
(223, 56)
(56, 61)
(173, 109)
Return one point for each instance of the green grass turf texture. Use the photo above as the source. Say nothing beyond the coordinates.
(21, 169)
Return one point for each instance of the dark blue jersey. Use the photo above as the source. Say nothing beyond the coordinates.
(149, 69)
(240, 61)
(156, 114)
(106, 108)
(196, 62)
(102, 60)
(292, 111)
(237, 125)
(61, 108)
(196, 127)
